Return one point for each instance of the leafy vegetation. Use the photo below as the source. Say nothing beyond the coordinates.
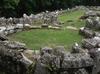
(38, 38)
(18, 7)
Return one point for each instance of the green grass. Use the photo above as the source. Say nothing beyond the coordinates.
(74, 17)
(36, 39)
(39, 38)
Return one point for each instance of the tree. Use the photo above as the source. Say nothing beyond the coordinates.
(8, 7)
(18, 7)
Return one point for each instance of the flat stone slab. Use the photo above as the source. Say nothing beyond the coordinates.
(71, 27)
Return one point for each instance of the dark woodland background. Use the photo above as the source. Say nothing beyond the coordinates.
(16, 8)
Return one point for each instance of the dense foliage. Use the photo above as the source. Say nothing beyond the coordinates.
(18, 7)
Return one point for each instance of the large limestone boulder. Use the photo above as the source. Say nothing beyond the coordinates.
(91, 43)
(86, 32)
(14, 45)
(93, 23)
(32, 55)
(90, 13)
(19, 26)
(2, 29)
(55, 60)
(40, 69)
(13, 61)
(77, 61)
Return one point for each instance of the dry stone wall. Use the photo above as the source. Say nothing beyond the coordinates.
(13, 25)
(16, 58)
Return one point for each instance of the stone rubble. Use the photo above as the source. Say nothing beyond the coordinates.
(16, 58)
(13, 25)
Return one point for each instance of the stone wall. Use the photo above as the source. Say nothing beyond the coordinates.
(16, 58)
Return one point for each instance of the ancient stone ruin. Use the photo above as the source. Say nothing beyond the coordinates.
(16, 58)
(13, 25)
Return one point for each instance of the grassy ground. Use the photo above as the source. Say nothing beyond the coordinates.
(36, 39)
(72, 18)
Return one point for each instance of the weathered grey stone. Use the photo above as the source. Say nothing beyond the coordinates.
(40, 69)
(10, 61)
(46, 50)
(19, 26)
(91, 43)
(43, 65)
(27, 62)
(97, 34)
(54, 27)
(44, 25)
(59, 51)
(27, 27)
(93, 23)
(90, 13)
(10, 30)
(10, 21)
(86, 32)
(3, 37)
(95, 54)
(21, 21)
(14, 45)
(30, 54)
(76, 48)
(2, 29)
(50, 62)
(81, 71)
(77, 61)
